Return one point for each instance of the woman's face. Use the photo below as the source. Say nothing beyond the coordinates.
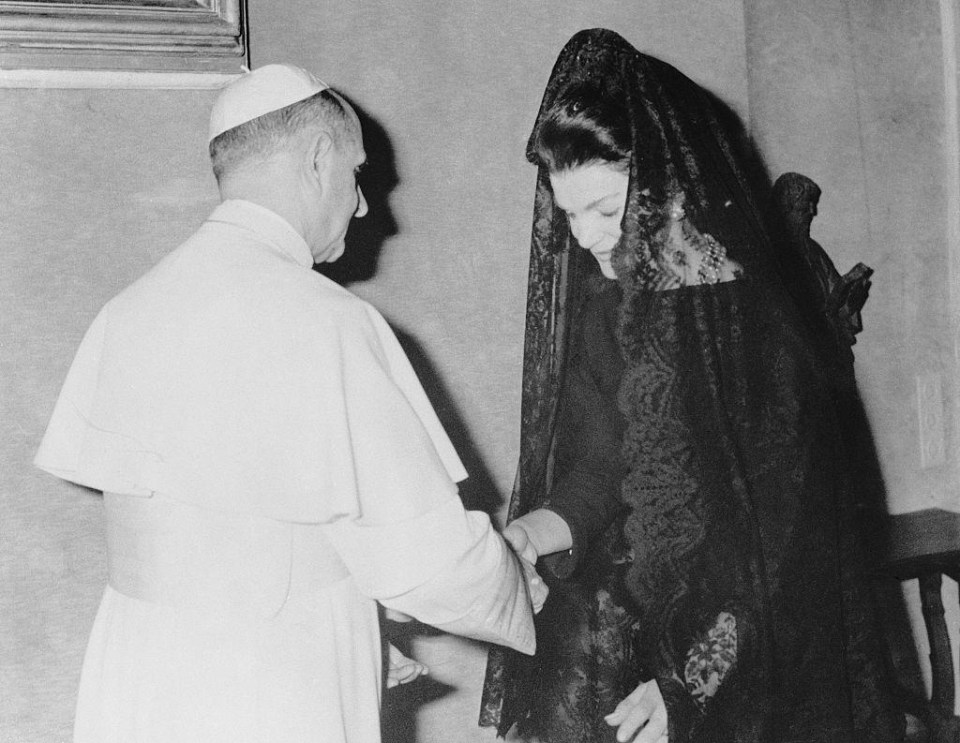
(593, 197)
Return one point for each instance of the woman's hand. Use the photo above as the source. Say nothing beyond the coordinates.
(401, 669)
(538, 533)
(643, 710)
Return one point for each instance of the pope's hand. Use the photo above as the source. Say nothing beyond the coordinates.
(401, 669)
(535, 586)
(643, 710)
(396, 616)
(518, 538)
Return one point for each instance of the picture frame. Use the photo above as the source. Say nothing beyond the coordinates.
(206, 36)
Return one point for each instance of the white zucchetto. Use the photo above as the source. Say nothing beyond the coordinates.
(265, 89)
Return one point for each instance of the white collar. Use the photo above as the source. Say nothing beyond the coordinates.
(267, 225)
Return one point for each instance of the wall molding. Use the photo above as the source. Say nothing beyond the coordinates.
(113, 79)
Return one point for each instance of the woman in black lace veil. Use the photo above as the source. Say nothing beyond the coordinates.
(682, 476)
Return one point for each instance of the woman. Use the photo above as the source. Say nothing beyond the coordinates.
(681, 475)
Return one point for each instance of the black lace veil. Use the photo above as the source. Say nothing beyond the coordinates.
(735, 483)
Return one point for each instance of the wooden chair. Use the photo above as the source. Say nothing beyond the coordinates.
(926, 545)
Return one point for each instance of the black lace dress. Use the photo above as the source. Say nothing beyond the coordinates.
(586, 629)
(716, 546)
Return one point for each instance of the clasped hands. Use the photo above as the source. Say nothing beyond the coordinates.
(642, 716)
(525, 550)
(402, 669)
(540, 532)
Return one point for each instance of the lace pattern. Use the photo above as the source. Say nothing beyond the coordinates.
(710, 659)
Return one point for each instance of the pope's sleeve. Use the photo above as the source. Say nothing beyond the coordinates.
(59, 451)
(412, 546)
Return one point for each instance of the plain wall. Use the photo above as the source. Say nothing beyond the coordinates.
(98, 184)
(95, 186)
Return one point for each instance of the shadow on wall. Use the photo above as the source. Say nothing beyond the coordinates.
(478, 492)
(366, 236)
(867, 510)
(866, 513)
(401, 705)
(365, 240)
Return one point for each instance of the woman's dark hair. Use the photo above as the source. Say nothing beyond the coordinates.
(585, 125)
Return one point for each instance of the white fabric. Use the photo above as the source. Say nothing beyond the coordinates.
(157, 674)
(172, 553)
(404, 569)
(233, 398)
(234, 377)
(265, 89)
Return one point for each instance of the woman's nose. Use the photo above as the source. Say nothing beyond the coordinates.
(585, 232)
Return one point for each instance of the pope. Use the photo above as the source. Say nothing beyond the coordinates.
(271, 467)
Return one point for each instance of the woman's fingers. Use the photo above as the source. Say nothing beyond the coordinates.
(656, 728)
(642, 710)
(626, 705)
(635, 718)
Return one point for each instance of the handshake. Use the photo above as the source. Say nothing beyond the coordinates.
(642, 715)
(518, 537)
(533, 535)
(522, 537)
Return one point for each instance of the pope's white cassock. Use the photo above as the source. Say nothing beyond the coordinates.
(271, 469)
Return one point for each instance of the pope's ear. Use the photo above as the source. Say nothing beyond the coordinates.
(321, 150)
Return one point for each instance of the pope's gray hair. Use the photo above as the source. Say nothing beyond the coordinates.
(272, 132)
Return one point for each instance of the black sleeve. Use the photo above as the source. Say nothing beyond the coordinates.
(588, 467)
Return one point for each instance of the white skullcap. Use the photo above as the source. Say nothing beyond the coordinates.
(268, 88)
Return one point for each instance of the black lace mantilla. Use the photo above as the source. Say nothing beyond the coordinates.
(737, 487)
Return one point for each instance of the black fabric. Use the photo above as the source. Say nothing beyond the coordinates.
(736, 482)
(588, 465)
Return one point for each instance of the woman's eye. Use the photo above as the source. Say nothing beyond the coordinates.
(610, 214)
